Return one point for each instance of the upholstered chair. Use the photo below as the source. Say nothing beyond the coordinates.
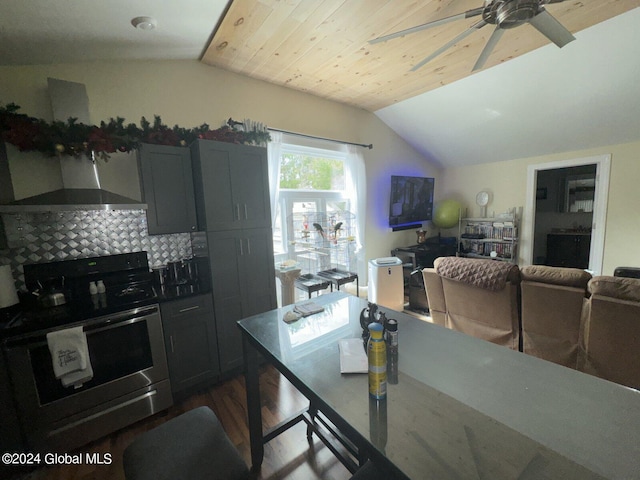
(610, 335)
(435, 296)
(552, 303)
(481, 298)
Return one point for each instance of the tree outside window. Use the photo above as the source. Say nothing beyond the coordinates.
(305, 172)
(310, 184)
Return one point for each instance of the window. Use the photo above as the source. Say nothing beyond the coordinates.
(312, 186)
(300, 171)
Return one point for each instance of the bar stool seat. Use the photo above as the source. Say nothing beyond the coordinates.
(192, 446)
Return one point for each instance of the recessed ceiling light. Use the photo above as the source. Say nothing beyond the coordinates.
(144, 23)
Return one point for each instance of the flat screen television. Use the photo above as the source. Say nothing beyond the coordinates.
(411, 201)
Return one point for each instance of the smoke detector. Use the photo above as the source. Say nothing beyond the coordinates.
(144, 23)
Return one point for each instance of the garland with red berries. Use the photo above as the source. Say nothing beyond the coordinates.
(74, 138)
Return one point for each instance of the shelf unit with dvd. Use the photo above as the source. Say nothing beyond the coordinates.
(493, 238)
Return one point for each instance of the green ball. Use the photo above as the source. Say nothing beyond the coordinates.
(446, 213)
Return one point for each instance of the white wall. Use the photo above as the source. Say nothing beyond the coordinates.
(189, 93)
(507, 180)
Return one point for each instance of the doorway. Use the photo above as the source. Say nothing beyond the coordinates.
(574, 211)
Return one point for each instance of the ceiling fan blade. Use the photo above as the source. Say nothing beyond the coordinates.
(551, 28)
(488, 48)
(450, 44)
(424, 26)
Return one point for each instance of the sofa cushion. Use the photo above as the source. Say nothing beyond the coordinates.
(487, 274)
(568, 277)
(621, 288)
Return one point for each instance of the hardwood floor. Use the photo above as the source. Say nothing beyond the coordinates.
(288, 456)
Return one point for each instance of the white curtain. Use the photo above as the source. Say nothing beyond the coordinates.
(356, 183)
(273, 151)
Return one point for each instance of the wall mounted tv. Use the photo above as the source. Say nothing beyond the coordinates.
(411, 201)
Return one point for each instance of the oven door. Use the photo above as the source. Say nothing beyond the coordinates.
(130, 380)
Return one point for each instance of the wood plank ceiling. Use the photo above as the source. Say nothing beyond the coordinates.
(321, 46)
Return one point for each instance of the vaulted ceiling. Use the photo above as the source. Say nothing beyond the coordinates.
(321, 46)
(531, 98)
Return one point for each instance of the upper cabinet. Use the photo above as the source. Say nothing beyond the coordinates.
(231, 186)
(167, 188)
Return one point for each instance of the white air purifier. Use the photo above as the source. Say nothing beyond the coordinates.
(386, 283)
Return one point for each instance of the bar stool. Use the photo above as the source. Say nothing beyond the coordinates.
(192, 446)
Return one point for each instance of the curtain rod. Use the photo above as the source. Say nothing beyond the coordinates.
(231, 122)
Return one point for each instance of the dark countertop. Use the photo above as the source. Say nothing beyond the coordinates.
(168, 293)
(27, 319)
(24, 318)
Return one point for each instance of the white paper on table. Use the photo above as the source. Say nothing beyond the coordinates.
(353, 358)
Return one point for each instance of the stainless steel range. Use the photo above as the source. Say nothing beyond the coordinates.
(112, 298)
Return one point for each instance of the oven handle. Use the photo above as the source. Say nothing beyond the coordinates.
(106, 324)
(109, 324)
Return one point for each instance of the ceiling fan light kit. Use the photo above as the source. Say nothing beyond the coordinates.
(504, 14)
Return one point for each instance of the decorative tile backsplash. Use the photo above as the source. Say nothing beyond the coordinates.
(36, 237)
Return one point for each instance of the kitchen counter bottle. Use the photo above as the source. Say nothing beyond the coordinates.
(377, 356)
(392, 351)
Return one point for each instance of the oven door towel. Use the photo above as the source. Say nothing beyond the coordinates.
(70, 356)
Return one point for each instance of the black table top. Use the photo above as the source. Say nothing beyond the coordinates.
(462, 407)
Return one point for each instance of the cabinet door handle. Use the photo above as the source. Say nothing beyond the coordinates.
(241, 248)
(246, 214)
(171, 341)
(187, 309)
(237, 211)
(248, 246)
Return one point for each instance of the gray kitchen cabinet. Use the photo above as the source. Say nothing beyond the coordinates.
(232, 186)
(167, 185)
(243, 278)
(232, 203)
(190, 339)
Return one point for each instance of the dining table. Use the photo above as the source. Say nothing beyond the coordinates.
(456, 407)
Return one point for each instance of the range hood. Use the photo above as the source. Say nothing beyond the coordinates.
(66, 199)
(81, 188)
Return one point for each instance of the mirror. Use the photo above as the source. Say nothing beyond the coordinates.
(579, 192)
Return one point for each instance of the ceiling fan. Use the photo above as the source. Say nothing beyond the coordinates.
(503, 14)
